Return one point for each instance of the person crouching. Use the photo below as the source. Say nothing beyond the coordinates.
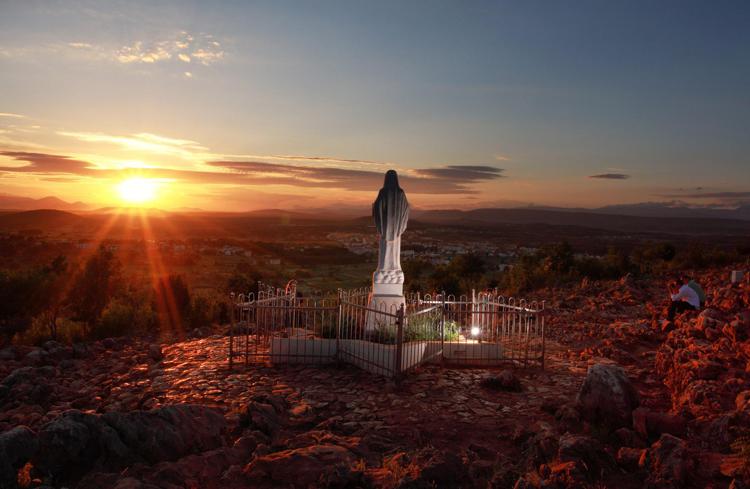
(684, 298)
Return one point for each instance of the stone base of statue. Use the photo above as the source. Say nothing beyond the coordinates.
(387, 296)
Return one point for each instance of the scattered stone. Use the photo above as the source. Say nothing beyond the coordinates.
(650, 425)
(77, 442)
(586, 452)
(302, 467)
(607, 396)
(505, 380)
(155, 353)
(667, 462)
(17, 446)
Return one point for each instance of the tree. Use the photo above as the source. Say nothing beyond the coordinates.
(94, 286)
(55, 288)
(444, 280)
(469, 265)
(560, 258)
(172, 297)
(20, 299)
(30, 293)
(243, 283)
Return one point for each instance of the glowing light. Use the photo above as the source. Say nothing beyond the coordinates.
(475, 331)
(138, 190)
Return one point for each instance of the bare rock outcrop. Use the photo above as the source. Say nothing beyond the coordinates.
(77, 442)
(607, 396)
(17, 446)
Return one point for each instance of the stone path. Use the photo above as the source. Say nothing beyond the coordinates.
(432, 405)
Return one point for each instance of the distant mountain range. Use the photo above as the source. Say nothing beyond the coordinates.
(652, 217)
(623, 222)
(658, 209)
(14, 202)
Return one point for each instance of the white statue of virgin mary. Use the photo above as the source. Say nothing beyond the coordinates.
(391, 213)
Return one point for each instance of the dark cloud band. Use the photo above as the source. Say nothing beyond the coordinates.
(451, 179)
(610, 176)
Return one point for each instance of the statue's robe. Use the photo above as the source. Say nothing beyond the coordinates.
(391, 213)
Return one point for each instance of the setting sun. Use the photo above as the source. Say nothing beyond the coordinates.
(138, 190)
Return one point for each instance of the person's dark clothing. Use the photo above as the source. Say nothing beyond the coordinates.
(678, 307)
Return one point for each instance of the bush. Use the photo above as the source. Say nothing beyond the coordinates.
(38, 333)
(201, 312)
(419, 328)
(121, 318)
(741, 447)
(173, 302)
(94, 286)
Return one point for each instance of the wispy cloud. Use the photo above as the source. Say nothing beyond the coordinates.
(194, 151)
(12, 115)
(610, 176)
(153, 143)
(709, 195)
(453, 179)
(185, 47)
(466, 173)
(312, 159)
(43, 163)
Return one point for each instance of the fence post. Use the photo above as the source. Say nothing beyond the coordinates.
(527, 323)
(339, 318)
(442, 331)
(399, 342)
(543, 337)
(231, 330)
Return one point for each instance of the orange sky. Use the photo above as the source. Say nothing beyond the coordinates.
(240, 106)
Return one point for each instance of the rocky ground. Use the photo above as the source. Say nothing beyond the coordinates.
(626, 400)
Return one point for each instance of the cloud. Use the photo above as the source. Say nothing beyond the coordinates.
(185, 47)
(193, 151)
(499, 157)
(12, 115)
(182, 46)
(143, 142)
(46, 163)
(467, 173)
(709, 195)
(452, 179)
(138, 53)
(331, 159)
(611, 176)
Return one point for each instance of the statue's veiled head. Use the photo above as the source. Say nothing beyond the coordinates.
(391, 180)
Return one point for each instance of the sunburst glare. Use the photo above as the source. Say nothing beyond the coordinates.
(138, 190)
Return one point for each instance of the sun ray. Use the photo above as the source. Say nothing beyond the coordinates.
(138, 190)
(167, 310)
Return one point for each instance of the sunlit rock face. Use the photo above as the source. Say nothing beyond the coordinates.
(391, 213)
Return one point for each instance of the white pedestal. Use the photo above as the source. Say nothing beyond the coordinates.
(388, 299)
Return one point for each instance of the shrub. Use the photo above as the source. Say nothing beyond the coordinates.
(120, 318)
(38, 333)
(94, 286)
(419, 328)
(741, 448)
(201, 312)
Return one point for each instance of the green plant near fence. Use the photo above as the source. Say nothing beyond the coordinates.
(419, 328)
(423, 327)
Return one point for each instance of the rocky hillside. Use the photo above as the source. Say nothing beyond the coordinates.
(627, 400)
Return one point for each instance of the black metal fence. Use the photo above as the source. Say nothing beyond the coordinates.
(279, 327)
